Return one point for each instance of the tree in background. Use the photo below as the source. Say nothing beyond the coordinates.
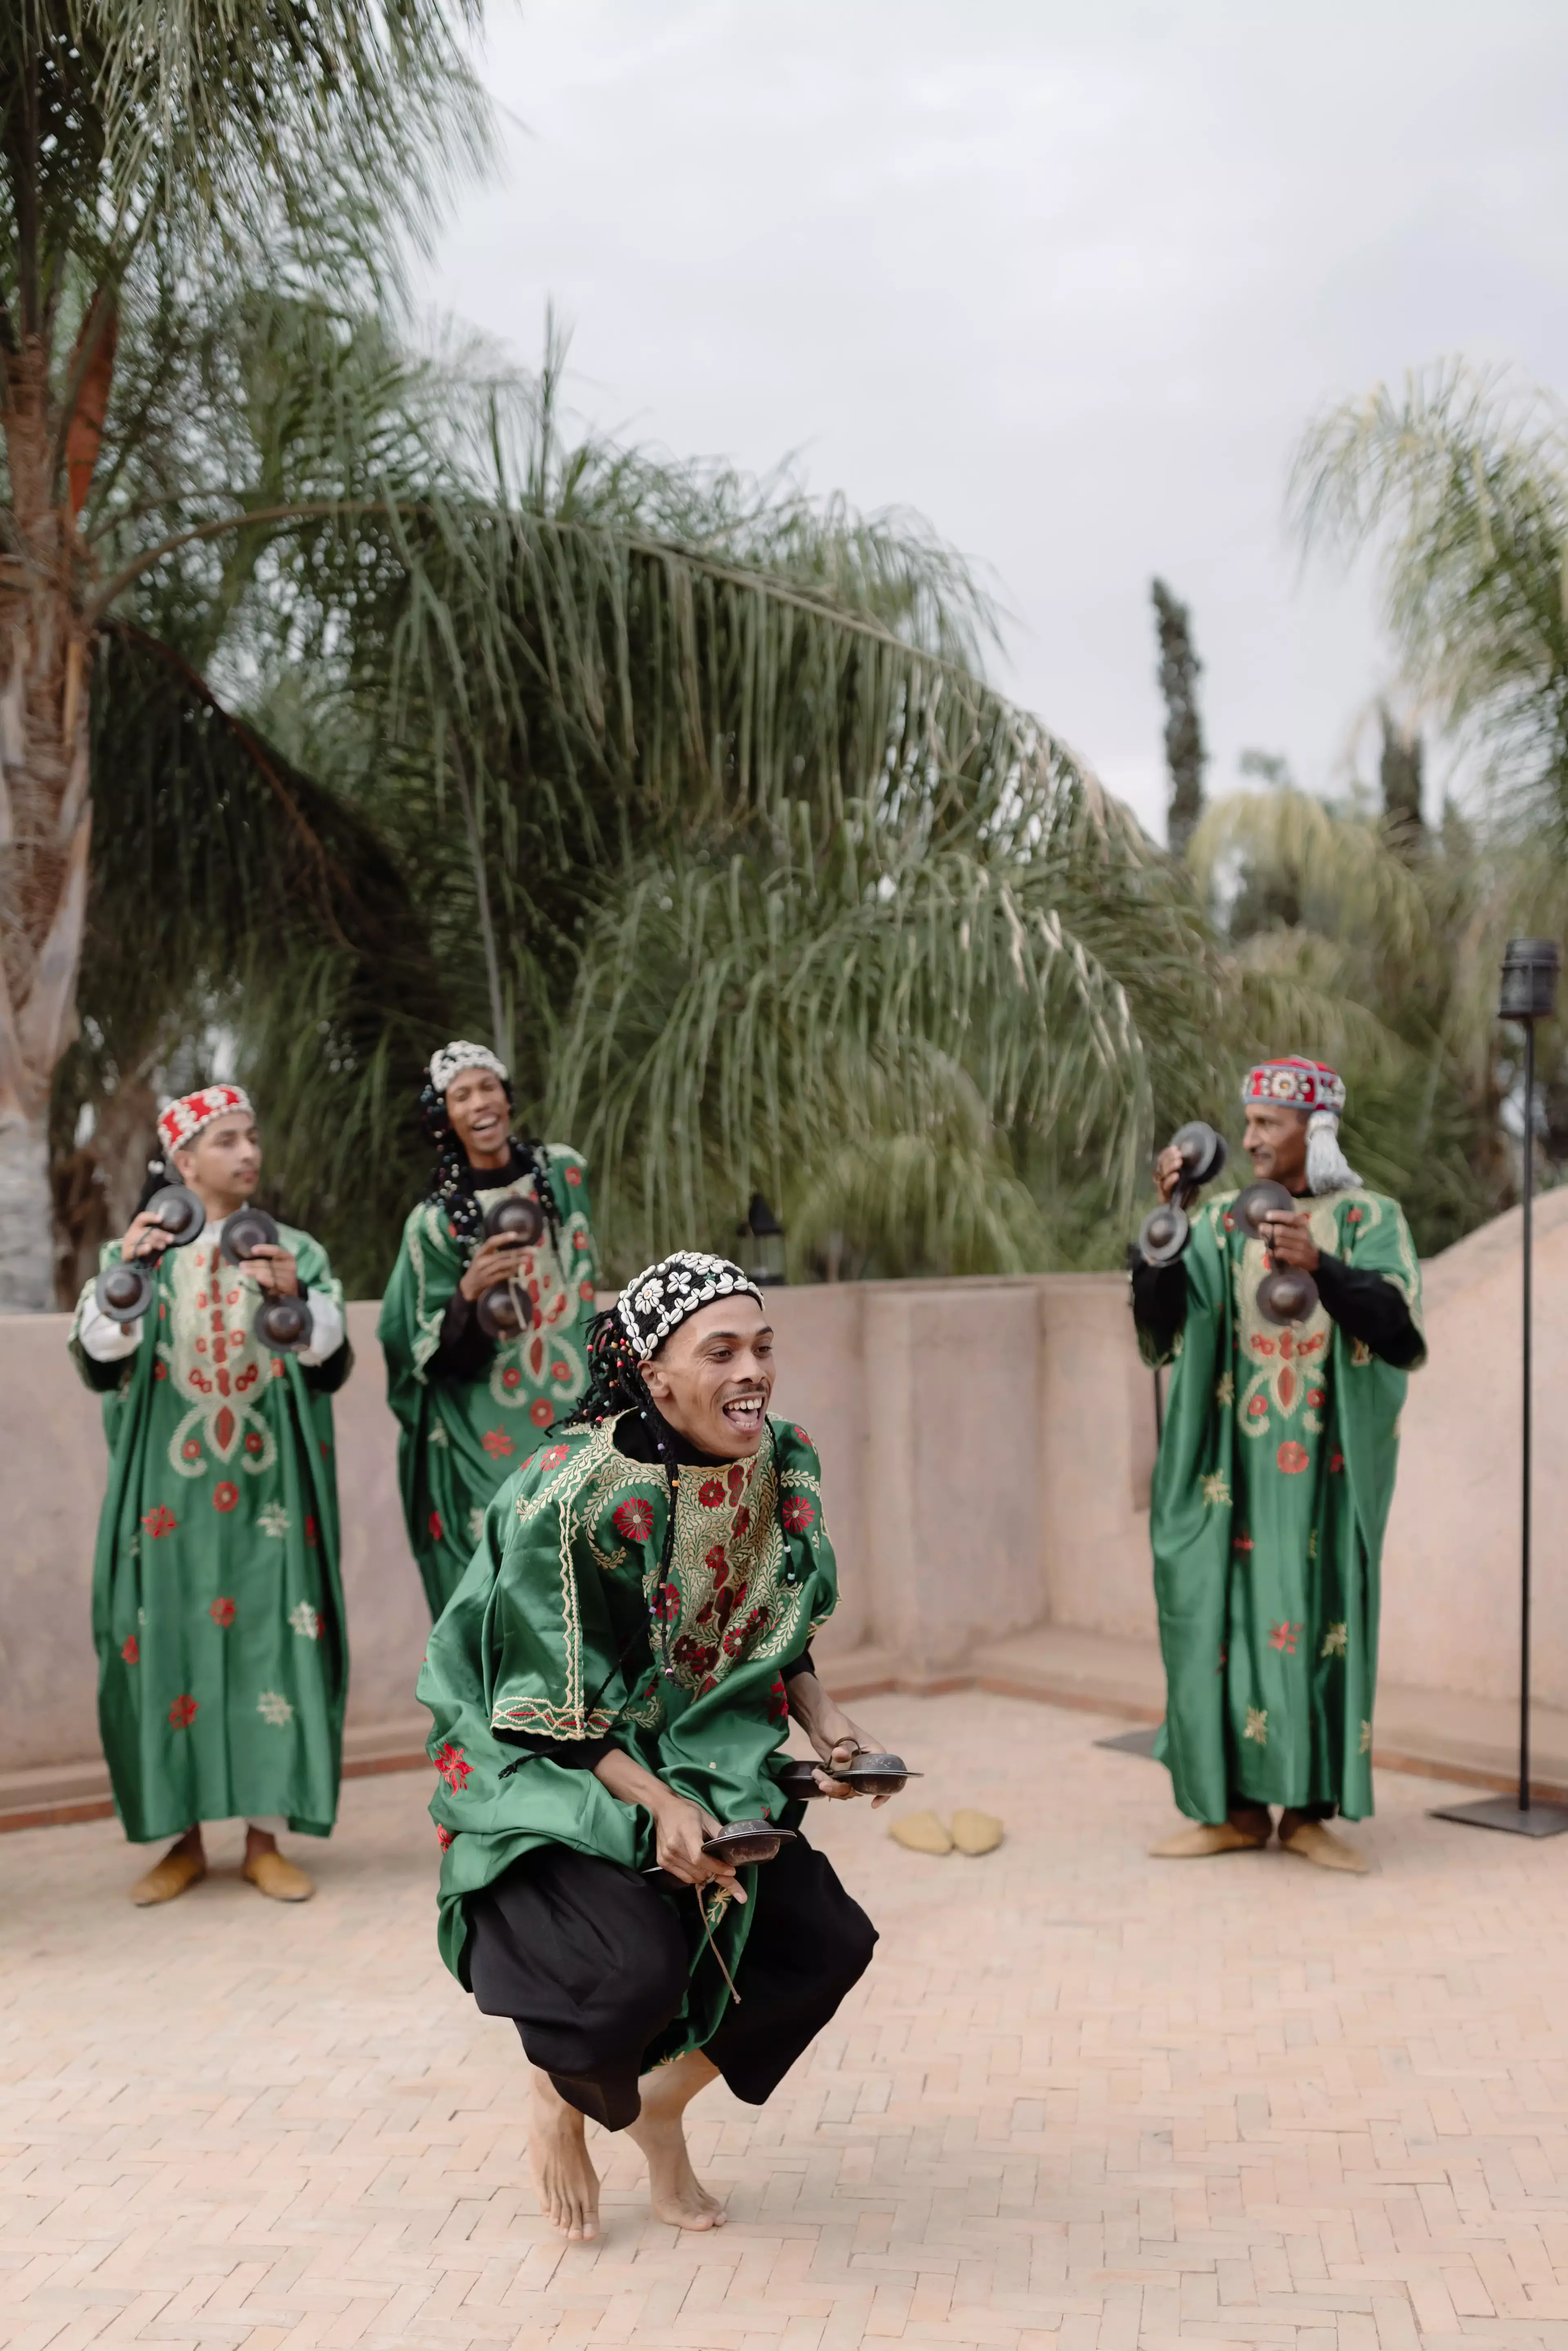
(1179, 669)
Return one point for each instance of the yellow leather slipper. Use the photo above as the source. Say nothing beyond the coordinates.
(271, 1875)
(1206, 1837)
(977, 1833)
(167, 1878)
(1312, 1840)
(920, 1832)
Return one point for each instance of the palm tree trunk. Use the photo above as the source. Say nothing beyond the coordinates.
(46, 820)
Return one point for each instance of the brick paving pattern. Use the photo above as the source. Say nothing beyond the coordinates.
(1084, 2100)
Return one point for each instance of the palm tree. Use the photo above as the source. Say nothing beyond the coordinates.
(156, 162)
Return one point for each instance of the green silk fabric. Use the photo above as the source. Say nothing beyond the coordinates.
(459, 1439)
(561, 1627)
(1271, 1497)
(217, 1610)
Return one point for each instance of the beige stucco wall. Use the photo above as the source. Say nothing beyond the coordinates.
(1005, 1430)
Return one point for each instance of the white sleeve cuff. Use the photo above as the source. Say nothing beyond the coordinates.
(103, 1339)
(326, 1328)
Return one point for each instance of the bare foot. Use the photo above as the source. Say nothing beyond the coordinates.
(675, 2192)
(564, 2179)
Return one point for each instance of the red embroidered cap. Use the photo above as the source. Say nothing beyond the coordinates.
(181, 1121)
(1296, 1083)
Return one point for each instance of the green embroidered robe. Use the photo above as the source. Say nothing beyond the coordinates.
(561, 1628)
(460, 1438)
(217, 1610)
(1271, 1497)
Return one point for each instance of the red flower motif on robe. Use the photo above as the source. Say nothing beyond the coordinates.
(445, 1837)
(222, 1611)
(453, 1766)
(1259, 1408)
(560, 1370)
(192, 1448)
(585, 1292)
(710, 1493)
(1292, 1457)
(158, 1521)
(1353, 1215)
(511, 1377)
(633, 1520)
(716, 1562)
(797, 1514)
(254, 1440)
(1336, 1463)
(1242, 1542)
(436, 1529)
(553, 1458)
(801, 1433)
(542, 1412)
(182, 1713)
(1316, 1396)
(225, 1497)
(574, 1176)
(159, 1371)
(778, 1701)
(496, 1443)
(130, 1649)
(311, 1532)
(667, 1602)
(1283, 1639)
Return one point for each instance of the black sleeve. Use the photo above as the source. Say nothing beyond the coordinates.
(804, 1663)
(463, 1351)
(1369, 1308)
(576, 1754)
(1159, 1299)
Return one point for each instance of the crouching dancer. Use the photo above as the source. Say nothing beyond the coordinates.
(609, 1683)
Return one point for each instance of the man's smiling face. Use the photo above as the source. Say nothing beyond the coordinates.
(480, 1113)
(712, 1377)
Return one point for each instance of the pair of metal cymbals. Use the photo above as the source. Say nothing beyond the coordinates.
(281, 1323)
(506, 1309)
(125, 1291)
(1169, 1228)
(868, 1775)
(1287, 1293)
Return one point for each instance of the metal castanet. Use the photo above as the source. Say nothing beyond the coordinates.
(126, 1290)
(868, 1775)
(744, 1842)
(1287, 1293)
(280, 1324)
(506, 1309)
(1169, 1228)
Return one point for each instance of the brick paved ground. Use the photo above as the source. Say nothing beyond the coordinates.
(1083, 2099)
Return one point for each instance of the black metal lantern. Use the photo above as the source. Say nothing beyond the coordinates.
(765, 1234)
(1529, 994)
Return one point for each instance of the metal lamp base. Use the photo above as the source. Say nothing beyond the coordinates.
(1506, 1813)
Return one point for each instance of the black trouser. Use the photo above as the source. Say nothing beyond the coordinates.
(592, 1963)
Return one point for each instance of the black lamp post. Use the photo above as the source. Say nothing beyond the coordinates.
(1529, 994)
(765, 1258)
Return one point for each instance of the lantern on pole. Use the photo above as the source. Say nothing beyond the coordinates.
(1529, 994)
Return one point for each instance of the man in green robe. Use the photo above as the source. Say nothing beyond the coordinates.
(472, 1407)
(611, 1681)
(1273, 1483)
(217, 1612)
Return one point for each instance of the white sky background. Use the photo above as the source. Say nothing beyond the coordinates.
(1067, 279)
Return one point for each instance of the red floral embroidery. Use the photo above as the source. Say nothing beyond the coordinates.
(1336, 1463)
(1283, 1639)
(277, 1367)
(1259, 1408)
(740, 1524)
(450, 1762)
(574, 1176)
(667, 1602)
(1229, 1221)
(225, 1496)
(542, 1412)
(161, 1521)
(716, 1562)
(778, 1701)
(224, 1429)
(222, 1611)
(553, 1458)
(801, 1433)
(1353, 1215)
(496, 1443)
(1316, 1396)
(511, 1377)
(182, 1713)
(159, 1371)
(436, 1529)
(254, 1440)
(1224, 1657)
(130, 1649)
(560, 1372)
(310, 1530)
(736, 1482)
(797, 1514)
(1292, 1457)
(634, 1520)
(1261, 1346)
(192, 1448)
(1242, 1542)
(444, 1837)
(585, 1290)
(710, 1493)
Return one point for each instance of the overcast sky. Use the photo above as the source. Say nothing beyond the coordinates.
(1067, 279)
